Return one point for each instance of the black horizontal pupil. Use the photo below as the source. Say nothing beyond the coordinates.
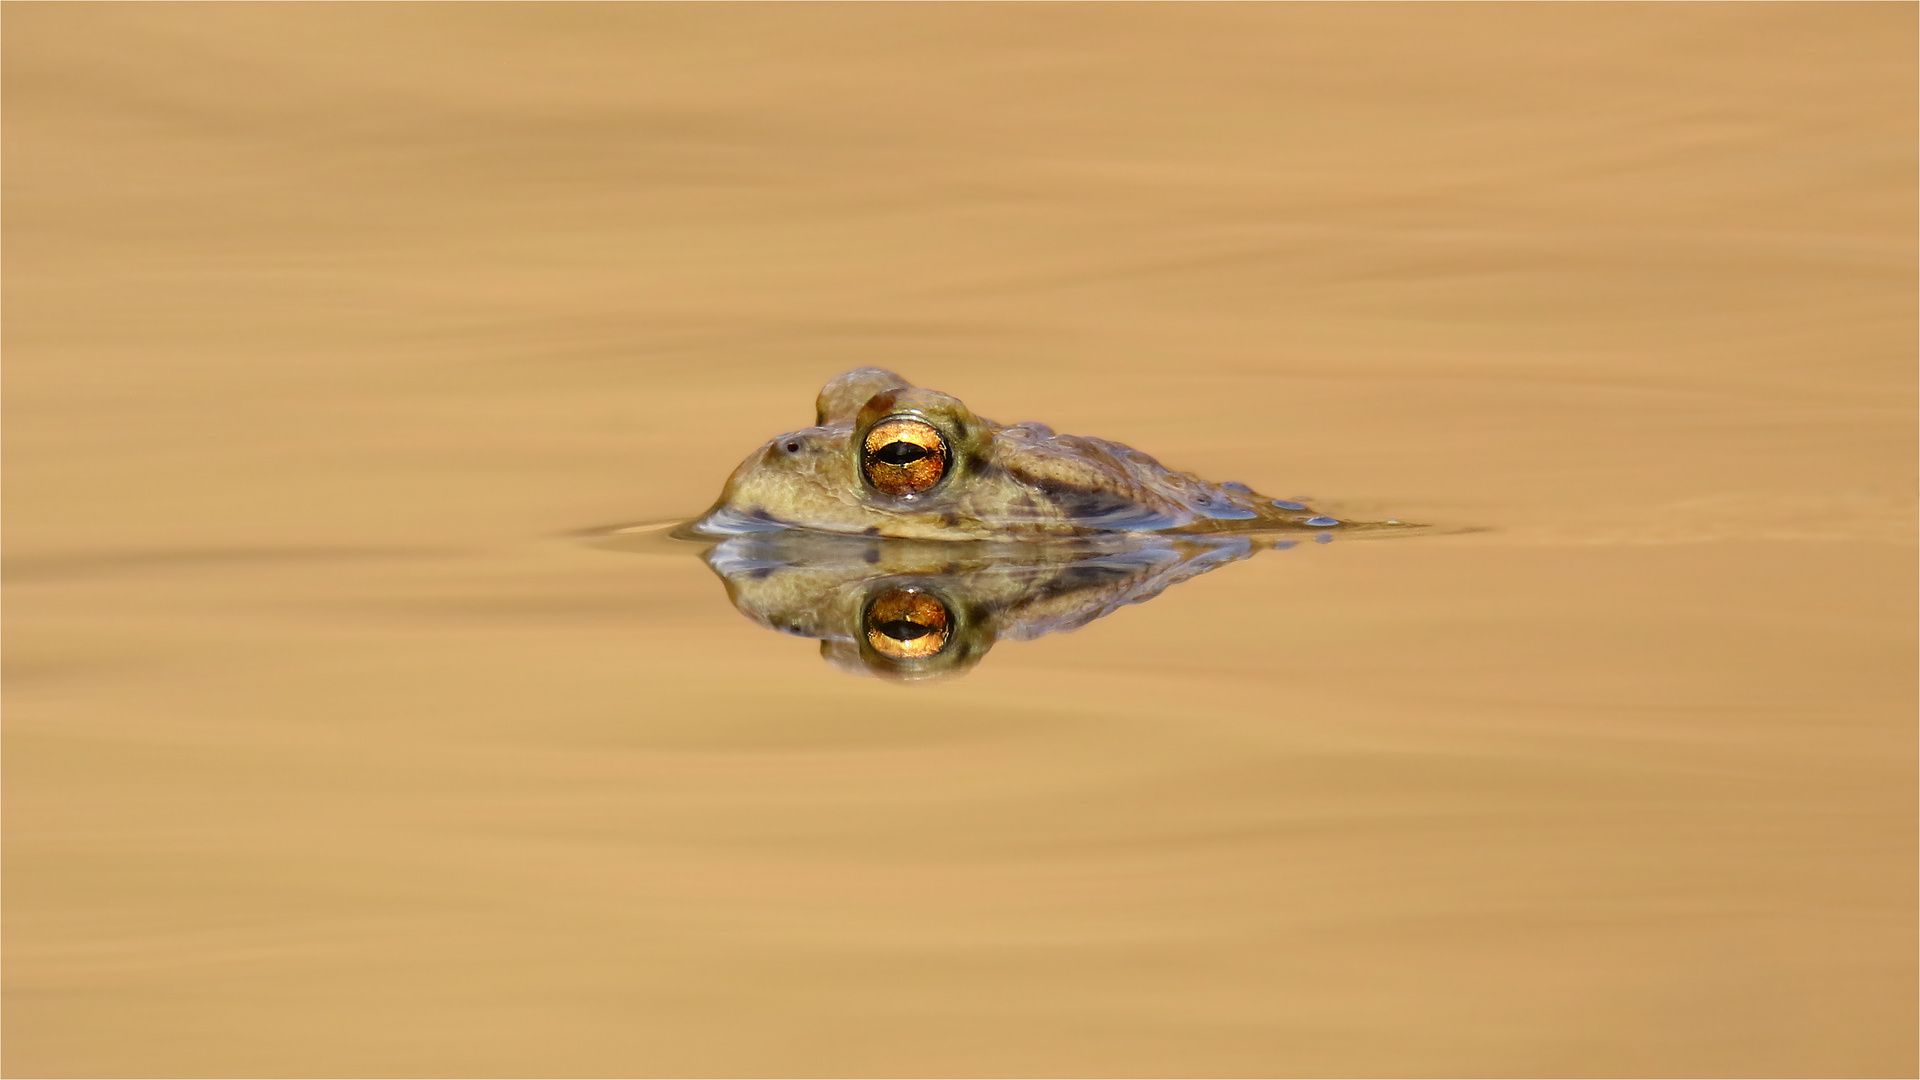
(901, 453)
(901, 629)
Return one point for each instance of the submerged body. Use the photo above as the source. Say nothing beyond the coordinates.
(887, 458)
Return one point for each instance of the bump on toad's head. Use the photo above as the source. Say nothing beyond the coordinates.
(840, 400)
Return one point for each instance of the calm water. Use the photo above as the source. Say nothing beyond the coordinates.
(332, 748)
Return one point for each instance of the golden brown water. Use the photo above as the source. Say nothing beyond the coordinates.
(329, 753)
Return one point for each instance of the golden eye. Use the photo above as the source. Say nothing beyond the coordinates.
(903, 456)
(907, 624)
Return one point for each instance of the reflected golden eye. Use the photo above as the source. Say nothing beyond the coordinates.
(907, 624)
(903, 456)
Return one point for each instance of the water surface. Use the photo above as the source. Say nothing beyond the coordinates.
(332, 750)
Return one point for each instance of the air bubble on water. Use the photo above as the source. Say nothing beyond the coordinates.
(1323, 520)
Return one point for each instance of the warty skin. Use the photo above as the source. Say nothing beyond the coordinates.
(1018, 482)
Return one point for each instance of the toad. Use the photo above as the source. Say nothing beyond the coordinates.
(886, 458)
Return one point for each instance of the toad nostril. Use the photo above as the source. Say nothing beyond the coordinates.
(793, 446)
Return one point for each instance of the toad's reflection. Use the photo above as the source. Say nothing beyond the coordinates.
(907, 609)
